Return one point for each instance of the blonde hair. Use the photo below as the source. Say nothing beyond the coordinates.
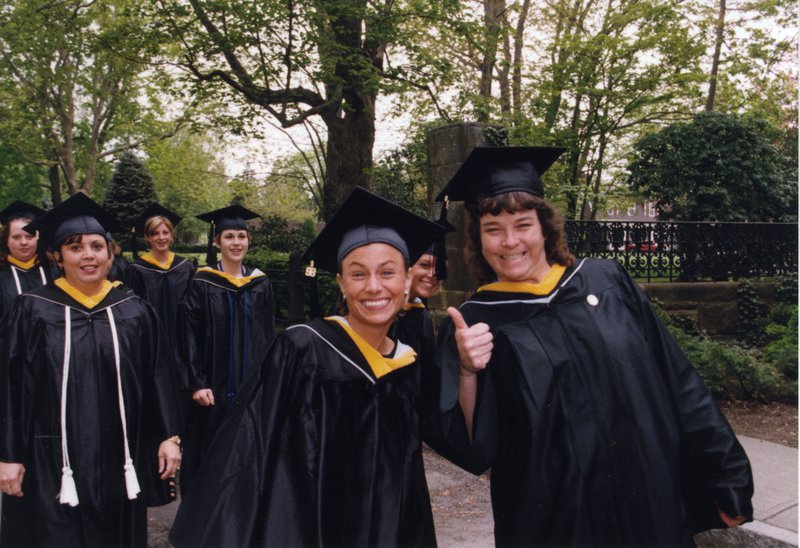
(151, 224)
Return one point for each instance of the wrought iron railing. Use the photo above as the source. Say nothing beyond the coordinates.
(662, 250)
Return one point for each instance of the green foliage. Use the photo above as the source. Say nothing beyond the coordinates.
(731, 371)
(401, 176)
(786, 292)
(19, 180)
(750, 313)
(719, 167)
(130, 190)
(276, 234)
(781, 351)
(188, 179)
(294, 61)
(73, 84)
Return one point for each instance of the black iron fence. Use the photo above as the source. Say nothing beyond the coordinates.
(689, 251)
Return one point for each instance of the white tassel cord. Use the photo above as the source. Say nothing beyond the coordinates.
(131, 481)
(69, 492)
(16, 280)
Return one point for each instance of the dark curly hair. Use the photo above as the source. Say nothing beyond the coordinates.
(511, 202)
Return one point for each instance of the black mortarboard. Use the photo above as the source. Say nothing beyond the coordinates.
(365, 218)
(19, 210)
(489, 171)
(154, 210)
(78, 214)
(232, 217)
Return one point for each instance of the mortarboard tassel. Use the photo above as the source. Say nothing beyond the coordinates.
(131, 481)
(69, 492)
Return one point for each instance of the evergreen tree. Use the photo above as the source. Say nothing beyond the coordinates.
(130, 190)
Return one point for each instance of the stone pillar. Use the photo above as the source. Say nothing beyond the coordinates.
(448, 147)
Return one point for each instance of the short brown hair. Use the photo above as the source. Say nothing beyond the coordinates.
(511, 202)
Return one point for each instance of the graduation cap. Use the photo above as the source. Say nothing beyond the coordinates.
(19, 210)
(153, 210)
(489, 171)
(366, 218)
(232, 217)
(78, 214)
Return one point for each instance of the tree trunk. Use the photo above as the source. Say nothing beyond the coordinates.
(519, 42)
(492, 9)
(348, 161)
(55, 184)
(720, 32)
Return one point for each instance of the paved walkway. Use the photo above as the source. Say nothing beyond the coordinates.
(775, 497)
(463, 515)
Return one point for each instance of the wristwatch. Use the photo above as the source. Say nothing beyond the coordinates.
(176, 440)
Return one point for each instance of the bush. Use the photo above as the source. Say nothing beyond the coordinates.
(734, 372)
(750, 314)
(276, 234)
(729, 370)
(781, 352)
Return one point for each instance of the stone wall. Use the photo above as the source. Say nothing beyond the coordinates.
(712, 305)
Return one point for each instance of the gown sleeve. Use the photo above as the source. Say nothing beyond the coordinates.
(443, 424)
(225, 504)
(191, 333)
(716, 470)
(162, 414)
(134, 280)
(12, 366)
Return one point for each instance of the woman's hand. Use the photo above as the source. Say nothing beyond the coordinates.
(11, 474)
(204, 397)
(474, 343)
(169, 459)
(729, 521)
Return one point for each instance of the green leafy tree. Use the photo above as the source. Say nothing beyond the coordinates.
(189, 179)
(401, 176)
(130, 190)
(276, 234)
(73, 91)
(19, 180)
(330, 60)
(718, 167)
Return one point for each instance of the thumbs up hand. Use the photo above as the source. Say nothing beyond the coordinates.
(474, 343)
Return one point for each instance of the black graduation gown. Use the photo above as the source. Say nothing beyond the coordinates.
(414, 326)
(31, 366)
(118, 269)
(597, 428)
(224, 333)
(29, 279)
(316, 451)
(164, 289)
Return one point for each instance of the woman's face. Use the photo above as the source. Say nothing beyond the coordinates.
(233, 245)
(374, 281)
(424, 283)
(160, 238)
(514, 246)
(21, 245)
(86, 263)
